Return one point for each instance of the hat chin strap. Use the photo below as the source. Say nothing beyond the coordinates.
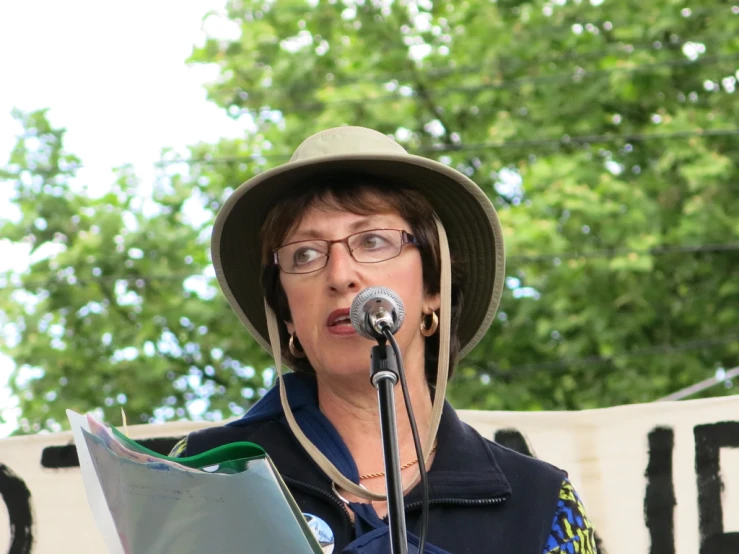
(441, 380)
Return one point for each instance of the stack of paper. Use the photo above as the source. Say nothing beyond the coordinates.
(225, 501)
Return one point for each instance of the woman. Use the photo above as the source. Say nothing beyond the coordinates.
(292, 247)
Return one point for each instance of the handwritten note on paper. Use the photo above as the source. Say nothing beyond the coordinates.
(160, 508)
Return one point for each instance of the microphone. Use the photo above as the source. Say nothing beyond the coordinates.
(374, 312)
(374, 309)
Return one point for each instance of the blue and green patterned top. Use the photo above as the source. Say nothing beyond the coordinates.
(572, 532)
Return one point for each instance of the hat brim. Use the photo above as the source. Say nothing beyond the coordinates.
(468, 216)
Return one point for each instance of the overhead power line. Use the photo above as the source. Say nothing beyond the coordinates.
(584, 139)
(562, 140)
(577, 75)
(526, 258)
(618, 252)
(505, 65)
(306, 7)
(665, 349)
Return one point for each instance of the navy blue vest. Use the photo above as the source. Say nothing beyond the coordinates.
(484, 497)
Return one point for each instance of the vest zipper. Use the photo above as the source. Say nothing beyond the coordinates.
(320, 492)
(457, 501)
(412, 506)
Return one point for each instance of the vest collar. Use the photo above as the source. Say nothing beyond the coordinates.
(464, 467)
(464, 471)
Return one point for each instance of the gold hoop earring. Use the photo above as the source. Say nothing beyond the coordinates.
(431, 329)
(295, 348)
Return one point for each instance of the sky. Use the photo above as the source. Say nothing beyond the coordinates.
(114, 75)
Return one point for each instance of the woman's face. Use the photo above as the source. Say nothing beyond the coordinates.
(315, 299)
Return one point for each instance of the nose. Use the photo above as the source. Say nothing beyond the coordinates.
(341, 270)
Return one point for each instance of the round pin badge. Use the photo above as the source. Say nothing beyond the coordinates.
(323, 533)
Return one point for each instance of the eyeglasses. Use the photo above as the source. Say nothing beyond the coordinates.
(366, 247)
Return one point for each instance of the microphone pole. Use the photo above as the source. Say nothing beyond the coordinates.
(384, 376)
(377, 313)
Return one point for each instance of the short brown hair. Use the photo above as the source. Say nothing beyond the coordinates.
(359, 194)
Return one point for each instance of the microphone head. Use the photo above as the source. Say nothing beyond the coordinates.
(372, 302)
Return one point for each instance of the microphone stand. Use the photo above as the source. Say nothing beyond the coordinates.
(384, 376)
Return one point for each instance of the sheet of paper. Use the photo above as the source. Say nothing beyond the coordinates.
(93, 488)
(160, 508)
(114, 445)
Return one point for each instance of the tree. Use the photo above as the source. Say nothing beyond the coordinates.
(603, 133)
(121, 312)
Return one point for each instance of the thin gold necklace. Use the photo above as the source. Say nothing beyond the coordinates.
(382, 473)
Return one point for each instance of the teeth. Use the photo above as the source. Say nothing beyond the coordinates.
(341, 321)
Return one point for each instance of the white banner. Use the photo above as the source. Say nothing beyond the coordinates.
(658, 478)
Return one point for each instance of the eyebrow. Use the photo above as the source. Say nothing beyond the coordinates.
(308, 234)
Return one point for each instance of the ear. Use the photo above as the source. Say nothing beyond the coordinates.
(431, 303)
(290, 327)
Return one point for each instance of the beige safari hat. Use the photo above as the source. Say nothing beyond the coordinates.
(464, 210)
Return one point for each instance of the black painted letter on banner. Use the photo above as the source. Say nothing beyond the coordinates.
(17, 498)
(659, 501)
(513, 439)
(709, 439)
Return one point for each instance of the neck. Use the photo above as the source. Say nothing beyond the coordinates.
(352, 408)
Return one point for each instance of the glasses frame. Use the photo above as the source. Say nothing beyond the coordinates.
(405, 238)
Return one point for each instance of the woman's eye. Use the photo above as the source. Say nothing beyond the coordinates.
(305, 255)
(373, 241)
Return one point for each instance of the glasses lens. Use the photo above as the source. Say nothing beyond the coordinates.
(375, 245)
(302, 257)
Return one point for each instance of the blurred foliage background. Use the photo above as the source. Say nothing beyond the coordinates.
(604, 132)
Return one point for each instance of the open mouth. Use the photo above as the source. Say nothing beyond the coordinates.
(339, 318)
(341, 321)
